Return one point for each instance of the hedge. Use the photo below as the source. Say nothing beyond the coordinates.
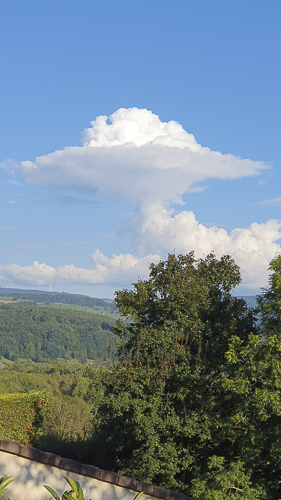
(21, 416)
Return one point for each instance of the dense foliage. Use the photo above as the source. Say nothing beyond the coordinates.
(74, 394)
(194, 402)
(269, 303)
(42, 333)
(59, 378)
(21, 417)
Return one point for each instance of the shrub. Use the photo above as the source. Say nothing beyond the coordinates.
(21, 416)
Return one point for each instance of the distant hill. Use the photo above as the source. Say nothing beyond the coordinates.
(47, 333)
(48, 298)
(11, 291)
(251, 300)
(42, 326)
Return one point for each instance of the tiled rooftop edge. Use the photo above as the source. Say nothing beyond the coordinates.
(88, 471)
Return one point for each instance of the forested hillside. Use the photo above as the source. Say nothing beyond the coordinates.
(33, 297)
(42, 333)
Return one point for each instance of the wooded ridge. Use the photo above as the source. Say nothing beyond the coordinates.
(45, 333)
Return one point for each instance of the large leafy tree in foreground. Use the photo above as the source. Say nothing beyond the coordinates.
(269, 302)
(193, 403)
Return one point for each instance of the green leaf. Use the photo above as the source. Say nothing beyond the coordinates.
(74, 485)
(55, 495)
(4, 482)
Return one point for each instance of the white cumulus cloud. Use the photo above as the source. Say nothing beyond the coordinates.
(118, 270)
(33, 274)
(132, 155)
(163, 231)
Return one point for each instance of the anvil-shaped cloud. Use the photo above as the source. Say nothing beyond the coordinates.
(136, 157)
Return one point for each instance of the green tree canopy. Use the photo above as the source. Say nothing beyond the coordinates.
(269, 303)
(175, 399)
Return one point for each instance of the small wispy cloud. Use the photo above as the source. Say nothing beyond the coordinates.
(73, 243)
(9, 165)
(14, 183)
(274, 202)
(13, 202)
(6, 228)
(21, 249)
(66, 201)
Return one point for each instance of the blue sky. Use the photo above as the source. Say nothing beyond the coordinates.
(187, 158)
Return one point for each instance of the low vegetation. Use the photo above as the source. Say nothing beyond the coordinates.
(74, 493)
(4, 483)
(72, 393)
(21, 417)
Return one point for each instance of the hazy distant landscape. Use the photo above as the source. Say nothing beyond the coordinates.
(43, 326)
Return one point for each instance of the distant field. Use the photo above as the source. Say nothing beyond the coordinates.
(11, 300)
(6, 298)
(73, 307)
(67, 301)
(57, 305)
